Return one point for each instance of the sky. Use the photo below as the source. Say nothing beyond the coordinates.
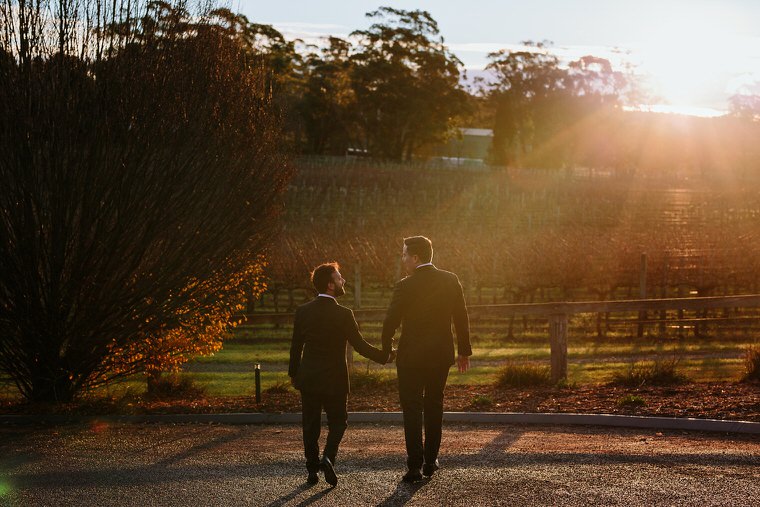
(693, 55)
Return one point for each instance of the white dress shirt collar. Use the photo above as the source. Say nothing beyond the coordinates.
(327, 296)
(422, 265)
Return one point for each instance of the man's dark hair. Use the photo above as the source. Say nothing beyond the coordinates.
(322, 275)
(419, 246)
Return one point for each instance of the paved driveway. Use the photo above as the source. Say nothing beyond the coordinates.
(191, 464)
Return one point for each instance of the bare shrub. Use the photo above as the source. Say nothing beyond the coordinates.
(141, 179)
(279, 388)
(631, 400)
(368, 379)
(659, 373)
(524, 375)
(752, 364)
(173, 387)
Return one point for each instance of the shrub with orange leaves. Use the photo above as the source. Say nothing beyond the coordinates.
(199, 328)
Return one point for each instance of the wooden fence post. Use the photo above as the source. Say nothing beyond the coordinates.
(558, 340)
(642, 293)
(681, 294)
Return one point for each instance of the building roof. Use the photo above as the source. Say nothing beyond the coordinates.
(477, 132)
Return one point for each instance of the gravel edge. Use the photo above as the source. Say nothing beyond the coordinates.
(623, 421)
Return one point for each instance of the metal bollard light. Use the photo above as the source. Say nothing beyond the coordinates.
(257, 371)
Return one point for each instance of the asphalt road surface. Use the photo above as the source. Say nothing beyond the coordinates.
(190, 464)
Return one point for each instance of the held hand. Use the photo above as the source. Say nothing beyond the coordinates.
(392, 356)
(463, 362)
(292, 381)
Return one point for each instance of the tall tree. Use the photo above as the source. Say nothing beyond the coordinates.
(593, 77)
(745, 106)
(406, 83)
(328, 105)
(523, 82)
(542, 108)
(140, 181)
(278, 58)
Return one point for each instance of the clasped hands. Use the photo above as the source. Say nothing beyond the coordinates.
(463, 362)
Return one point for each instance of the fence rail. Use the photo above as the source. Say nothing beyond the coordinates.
(556, 313)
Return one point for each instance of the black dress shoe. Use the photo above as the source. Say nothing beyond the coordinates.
(412, 476)
(313, 478)
(429, 469)
(329, 471)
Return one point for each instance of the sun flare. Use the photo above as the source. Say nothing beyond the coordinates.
(689, 59)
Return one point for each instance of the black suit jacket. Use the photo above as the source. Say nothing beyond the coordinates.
(318, 350)
(424, 305)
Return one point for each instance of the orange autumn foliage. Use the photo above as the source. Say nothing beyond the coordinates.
(200, 328)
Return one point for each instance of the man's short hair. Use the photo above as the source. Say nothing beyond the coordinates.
(322, 275)
(421, 247)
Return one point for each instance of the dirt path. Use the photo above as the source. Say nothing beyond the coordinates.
(482, 465)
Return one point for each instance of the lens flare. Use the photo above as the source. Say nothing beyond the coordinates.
(99, 426)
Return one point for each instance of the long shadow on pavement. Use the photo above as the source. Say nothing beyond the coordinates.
(295, 493)
(404, 492)
(313, 498)
(152, 474)
(199, 448)
(500, 443)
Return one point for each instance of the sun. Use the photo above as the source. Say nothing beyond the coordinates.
(690, 57)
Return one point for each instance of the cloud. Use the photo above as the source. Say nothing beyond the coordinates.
(319, 27)
(478, 47)
(704, 112)
(473, 54)
(311, 33)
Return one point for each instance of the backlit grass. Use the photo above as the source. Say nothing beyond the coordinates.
(590, 361)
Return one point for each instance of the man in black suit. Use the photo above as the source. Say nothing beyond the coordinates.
(318, 367)
(424, 304)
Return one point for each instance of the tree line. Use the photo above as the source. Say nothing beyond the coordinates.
(394, 91)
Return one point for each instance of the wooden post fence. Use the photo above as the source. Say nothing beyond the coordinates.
(556, 313)
(558, 342)
(642, 293)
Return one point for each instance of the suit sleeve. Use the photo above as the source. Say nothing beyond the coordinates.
(356, 340)
(392, 318)
(296, 345)
(461, 321)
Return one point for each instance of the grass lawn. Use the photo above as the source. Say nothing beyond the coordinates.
(699, 370)
(230, 371)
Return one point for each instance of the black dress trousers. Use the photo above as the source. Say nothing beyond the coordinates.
(337, 422)
(421, 389)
